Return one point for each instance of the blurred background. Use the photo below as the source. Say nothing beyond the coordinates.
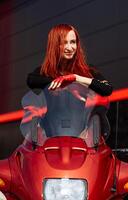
(24, 25)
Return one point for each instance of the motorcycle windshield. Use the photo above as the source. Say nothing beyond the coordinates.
(72, 111)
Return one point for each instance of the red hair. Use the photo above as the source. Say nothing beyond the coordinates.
(52, 63)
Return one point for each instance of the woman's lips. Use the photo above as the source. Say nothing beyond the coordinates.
(69, 54)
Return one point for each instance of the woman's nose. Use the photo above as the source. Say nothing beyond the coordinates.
(68, 46)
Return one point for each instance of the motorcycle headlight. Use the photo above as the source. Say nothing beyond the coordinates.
(2, 196)
(65, 189)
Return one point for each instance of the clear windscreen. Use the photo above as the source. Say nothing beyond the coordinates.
(72, 111)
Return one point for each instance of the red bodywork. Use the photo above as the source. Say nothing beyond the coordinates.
(63, 157)
(24, 172)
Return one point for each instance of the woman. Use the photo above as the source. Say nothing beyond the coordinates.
(65, 63)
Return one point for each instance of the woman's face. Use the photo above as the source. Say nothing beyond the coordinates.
(70, 46)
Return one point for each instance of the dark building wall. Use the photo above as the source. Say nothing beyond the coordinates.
(24, 24)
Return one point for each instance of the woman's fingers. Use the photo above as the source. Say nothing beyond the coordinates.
(62, 81)
(55, 84)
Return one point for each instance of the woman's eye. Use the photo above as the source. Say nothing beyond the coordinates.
(73, 41)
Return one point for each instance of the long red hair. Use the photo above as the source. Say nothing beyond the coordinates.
(52, 65)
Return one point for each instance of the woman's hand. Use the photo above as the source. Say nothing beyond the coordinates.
(62, 81)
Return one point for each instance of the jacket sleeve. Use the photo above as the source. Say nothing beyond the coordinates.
(37, 81)
(99, 84)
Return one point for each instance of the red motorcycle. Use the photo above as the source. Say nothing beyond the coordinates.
(64, 155)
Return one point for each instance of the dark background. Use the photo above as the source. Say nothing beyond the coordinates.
(24, 24)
